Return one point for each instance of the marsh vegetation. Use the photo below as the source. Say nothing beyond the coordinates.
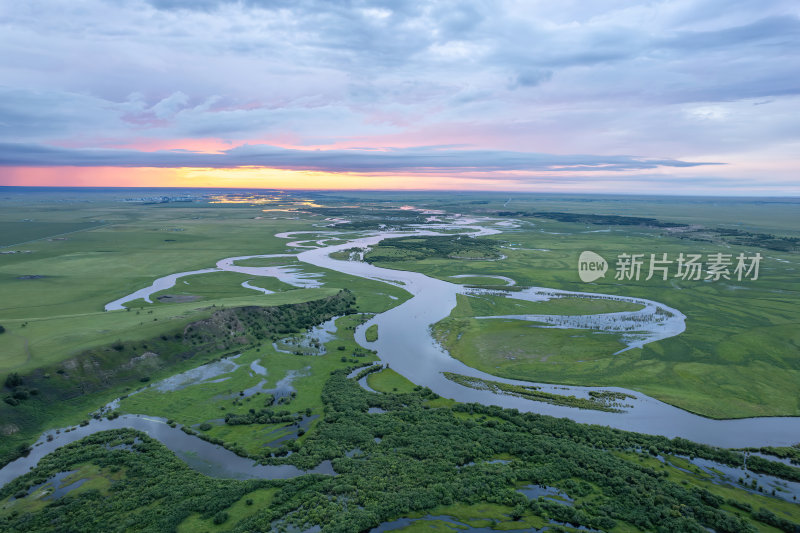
(417, 458)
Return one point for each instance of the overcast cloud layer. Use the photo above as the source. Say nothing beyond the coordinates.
(707, 91)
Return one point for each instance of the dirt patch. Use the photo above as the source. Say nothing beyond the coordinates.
(139, 359)
(8, 429)
(178, 298)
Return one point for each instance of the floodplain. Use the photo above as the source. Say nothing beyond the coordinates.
(264, 373)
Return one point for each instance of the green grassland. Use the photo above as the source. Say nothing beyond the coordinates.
(16, 233)
(209, 402)
(62, 310)
(216, 285)
(740, 343)
(517, 349)
(371, 296)
(92, 268)
(758, 214)
(737, 357)
(267, 261)
(258, 499)
(387, 380)
(43, 341)
(770, 215)
(372, 333)
(491, 515)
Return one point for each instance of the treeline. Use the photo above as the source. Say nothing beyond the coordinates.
(259, 323)
(792, 453)
(602, 220)
(365, 212)
(597, 402)
(445, 247)
(261, 416)
(366, 219)
(367, 371)
(17, 390)
(780, 243)
(773, 468)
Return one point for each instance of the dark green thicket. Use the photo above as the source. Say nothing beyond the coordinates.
(269, 322)
(364, 218)
(792, 452)
(780, 243)
(583, 218)
(447, 247)
(156, 492)
(758, 464)
(13, 380)
(425, 457)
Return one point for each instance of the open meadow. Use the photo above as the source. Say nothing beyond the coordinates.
(263, 374)
(737, 358)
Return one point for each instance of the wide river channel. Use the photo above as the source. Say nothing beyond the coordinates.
(406, 345)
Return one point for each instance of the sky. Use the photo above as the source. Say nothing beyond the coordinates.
(646, 97)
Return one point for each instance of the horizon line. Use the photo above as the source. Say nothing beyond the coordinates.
(434, 190)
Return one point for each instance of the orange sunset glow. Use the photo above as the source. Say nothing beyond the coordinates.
(229, 178)
(240, 94)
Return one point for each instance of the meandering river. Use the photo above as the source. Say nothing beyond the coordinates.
(406, 345)
(203, 456)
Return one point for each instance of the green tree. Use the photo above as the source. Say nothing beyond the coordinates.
(13, 380)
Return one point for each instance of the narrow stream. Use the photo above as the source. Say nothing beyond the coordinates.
(207, 458)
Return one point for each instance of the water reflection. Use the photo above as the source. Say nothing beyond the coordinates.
(209, 459)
